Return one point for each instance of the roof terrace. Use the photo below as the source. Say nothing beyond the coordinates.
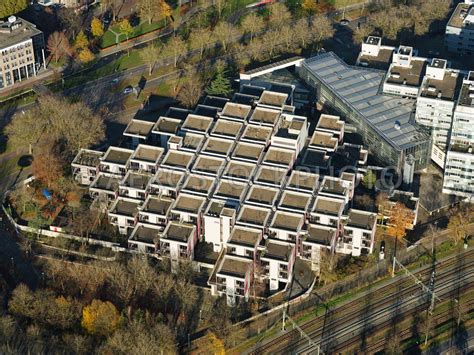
(188, 203)
(179, 232)
(196, 123)
(138, 128)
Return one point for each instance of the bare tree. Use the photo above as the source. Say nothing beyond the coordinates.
(148, 9)
(279, 15)
(272, 41)
(25, 129)
(301, 32)
(252, 24)
(191, 89)
(361, 33)
(177, 48)
(58, 46)
(459, 220)
(321, 29)
(200, 38)
(150, 55)
(224, 32)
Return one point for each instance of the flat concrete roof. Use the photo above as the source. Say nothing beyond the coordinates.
(231, 189)
(239, 169)
(330, 122)
(329, 206)
(262, 115)
(248, 237)
(248, 151)
(89, 158)
(157, 205)
(409, 76)
(145, 234)
(227, 128)
(253, 215)
(323, 140)
(381, 61)
(167, 125)
(295, 200)
(287, 221)
(270, 175)
(197, 123)
(262, 194)
(361, 219)
(217, 146)
(192, 141)
(279, 156)
(257, 133)
(302, 180)
(319, 234)
(235, 110)
(119, 156)
(105, 182)
(458, 16)
(208, 164)
(235, 267)
(136, 180)
(178, 159)
(138, 128)
(333, 186)
(125, 208)
(188, 203)
(444, 89)
(25, 31)
(168, 177)
(278, 251)
(271, 98)
(179, 232)
(199, 183)
(147, 153)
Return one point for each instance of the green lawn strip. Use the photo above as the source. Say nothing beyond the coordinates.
(109, 38)
(8, 167)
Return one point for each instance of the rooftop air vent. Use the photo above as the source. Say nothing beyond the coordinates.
(397, 125)
(12, 19)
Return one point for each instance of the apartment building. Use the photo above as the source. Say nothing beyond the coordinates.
(375, 55)
(358, 235)
(459, 36)
(459, 168)
(21, 51)
(235, 177)
(435, 105)
(85, 166)
(405, 74)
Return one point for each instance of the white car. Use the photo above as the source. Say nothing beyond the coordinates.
(128, 90)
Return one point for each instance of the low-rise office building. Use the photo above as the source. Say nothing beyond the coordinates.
(459, 37)
(21, 51)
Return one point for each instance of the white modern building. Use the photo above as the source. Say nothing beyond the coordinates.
(459, 168)
(459, 37)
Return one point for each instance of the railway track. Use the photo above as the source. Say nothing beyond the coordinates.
(359, 314)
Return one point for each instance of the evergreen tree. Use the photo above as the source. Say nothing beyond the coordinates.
(369, 180)
(221, 84)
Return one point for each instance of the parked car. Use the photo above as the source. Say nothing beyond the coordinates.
(128, 90)
(344, 22)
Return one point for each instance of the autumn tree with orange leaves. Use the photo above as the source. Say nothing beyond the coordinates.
(401, 219)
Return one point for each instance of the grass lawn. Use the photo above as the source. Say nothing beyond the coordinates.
(9, 167)
(109, 38)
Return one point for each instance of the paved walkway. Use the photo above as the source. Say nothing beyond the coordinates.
(27, 84)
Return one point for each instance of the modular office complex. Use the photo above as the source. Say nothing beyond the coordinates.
(384, 121)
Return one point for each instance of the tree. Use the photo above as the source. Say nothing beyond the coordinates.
(241, 57)
(100, 318)
(321, 29)
(72, 124)
(97, 28)
(84, 223)
(459, 220)
(114, 5)
(217, 346)
(150, 55)
(25, 129)
(177, 48)
(86, 56)
(327, 268)
(219, 6)
(47, 166)
(138, 337)
(166, 10)
(369, 180)
(23, 196)
(224, 32)
(11, 7)
(200, 38)
(191, 90)
(301, 32)
(58, 46)
(309, 6)
(125, 28)
(361, 33)
(148, 9)
(220, 85)
(400, 219)
(81, 41)
(271, 42)
(279, 15)
(252, 24)
(70, 21)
